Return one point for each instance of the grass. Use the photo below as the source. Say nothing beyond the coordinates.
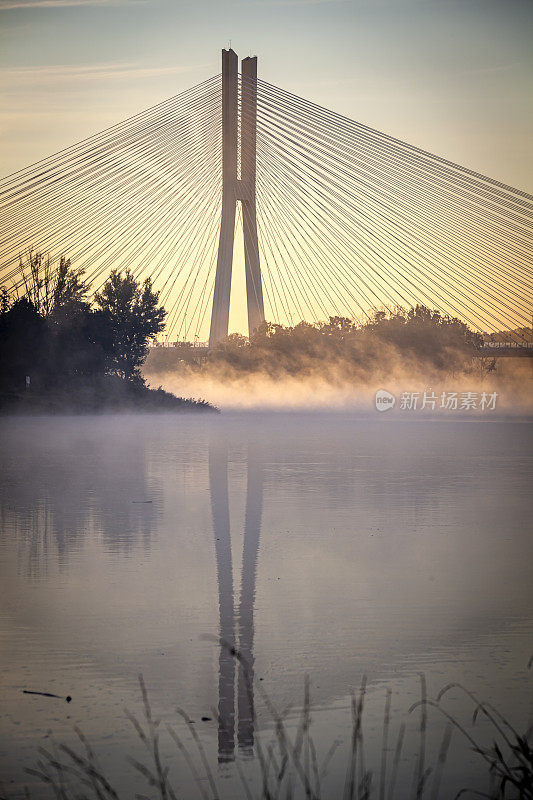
(289, 766)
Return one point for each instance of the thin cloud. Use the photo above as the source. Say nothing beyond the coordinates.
(66, 73)
(9, 5)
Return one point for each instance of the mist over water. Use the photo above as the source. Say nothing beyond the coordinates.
(335, 545)
(331, 386)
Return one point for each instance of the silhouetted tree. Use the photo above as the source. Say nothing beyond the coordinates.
(441, 341)
(79, 358)
(48, 287)
(51, 333)
(80, 342)
(70, 286)
(5, 300)
(135, 317)
(23, 342)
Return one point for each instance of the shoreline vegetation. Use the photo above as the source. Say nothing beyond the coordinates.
(288, 763)
(341, 363)
(107, 394)
(398, 346)
(61, 353)
(414, 339)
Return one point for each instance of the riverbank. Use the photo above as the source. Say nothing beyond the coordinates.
(104, 394)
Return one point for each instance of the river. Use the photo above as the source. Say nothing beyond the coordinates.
(330, 545)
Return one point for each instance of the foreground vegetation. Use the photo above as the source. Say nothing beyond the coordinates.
(60, 352)
(289, 767)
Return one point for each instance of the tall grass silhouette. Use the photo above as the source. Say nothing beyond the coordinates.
(289, 766)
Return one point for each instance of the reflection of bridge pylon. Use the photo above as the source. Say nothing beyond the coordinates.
(234, 189)
(218, 483)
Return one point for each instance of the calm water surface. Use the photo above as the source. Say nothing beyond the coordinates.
(330, 545)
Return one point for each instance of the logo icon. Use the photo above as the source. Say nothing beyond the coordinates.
(384, 400)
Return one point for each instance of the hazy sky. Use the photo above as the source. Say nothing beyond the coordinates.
(452, 76)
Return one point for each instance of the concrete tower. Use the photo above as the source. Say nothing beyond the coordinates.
(234, 189)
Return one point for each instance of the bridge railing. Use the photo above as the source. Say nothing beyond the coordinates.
(507, 345)
(192, 345)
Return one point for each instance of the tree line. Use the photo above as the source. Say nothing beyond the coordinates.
(415, 335)
(53, 334)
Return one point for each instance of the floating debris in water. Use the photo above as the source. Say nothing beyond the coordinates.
(68, 698)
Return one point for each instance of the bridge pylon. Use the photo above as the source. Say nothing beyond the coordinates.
(238, 188)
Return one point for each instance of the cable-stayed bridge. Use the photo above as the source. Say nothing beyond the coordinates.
(332, 217)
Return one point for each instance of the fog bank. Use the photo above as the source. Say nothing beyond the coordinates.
(334, 390)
